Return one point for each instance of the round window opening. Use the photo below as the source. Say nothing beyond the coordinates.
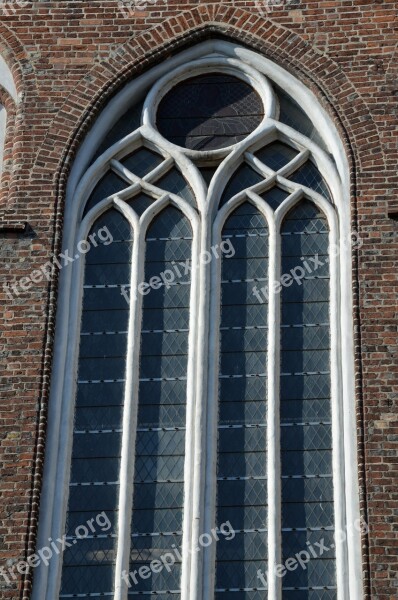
(209, 112)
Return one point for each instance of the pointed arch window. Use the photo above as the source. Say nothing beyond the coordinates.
(9, 98)
(205, 380)
(3, 123)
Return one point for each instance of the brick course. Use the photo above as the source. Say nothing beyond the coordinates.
(68, 59)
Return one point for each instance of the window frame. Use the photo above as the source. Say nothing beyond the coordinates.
(198, 582)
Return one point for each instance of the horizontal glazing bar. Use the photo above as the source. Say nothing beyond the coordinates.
(93, 483)
(105, 286)
(84, 381)
(154, 593)
(328, 528)
(326, 587)
(150, 481)
(259, 478)
(101, 536)
(167, 239)
(243, 426)
(300, 424)
(164, 379)
(139, 429)
(247, 328)
(317, 232)
(249, 589)
(318, 476)
(156, 534)
(306, 373)
(85, 333)
(247, 376)
(243, 235)
(255, 279)
(92, 595)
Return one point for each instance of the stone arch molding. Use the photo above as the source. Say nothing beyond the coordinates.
(207, 219)
(12, 58)
(14, 86)
(8, 100)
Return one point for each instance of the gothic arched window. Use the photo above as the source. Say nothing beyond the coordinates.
(201, 437)
(3, 124)
(8, 93)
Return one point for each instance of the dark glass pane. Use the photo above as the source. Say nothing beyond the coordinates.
(140, 203)
(311, 387)
(306, 433)
(302, 411)
(88, 498)
(142, 161)
(207, 174)
(294, 541)
(309, 176)
(78, 579)
(274, 197)
(108, 185)
(88, 565)
(311, 514)
(101, 394)
(229, 575)
(175, 183)
(128, 122)
(291, 114)
(306, 594)
(243, 178)
(245, 222)
(321, 572)
(276, 155)
(160, 441)
(119, 231)
(209, 112)
(241, 466)
(97, 417)
(108, 526)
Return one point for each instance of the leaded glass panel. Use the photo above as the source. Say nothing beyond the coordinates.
(309, 176)
(109, 184)
(306, 433)
(160, 440)
(276, 155)
(88, 565)
(241, 468)
(244, 177)
(209, 112)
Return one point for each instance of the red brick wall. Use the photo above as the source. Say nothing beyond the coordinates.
(68, 58)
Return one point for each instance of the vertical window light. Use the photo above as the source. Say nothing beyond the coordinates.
(160, 443)
(88, 565)
(241, 468)
(306, 432)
